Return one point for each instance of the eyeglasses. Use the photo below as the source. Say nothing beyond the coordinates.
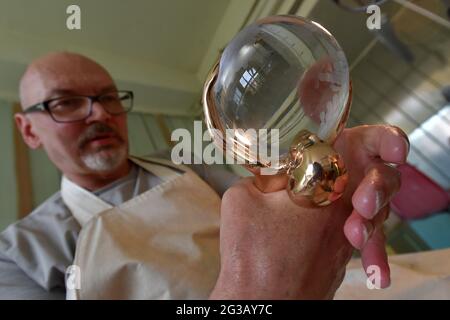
(79, 108)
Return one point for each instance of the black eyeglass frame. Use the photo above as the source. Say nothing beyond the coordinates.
(44, 106)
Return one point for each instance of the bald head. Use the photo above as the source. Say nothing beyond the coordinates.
(62, 73)
(91, 151)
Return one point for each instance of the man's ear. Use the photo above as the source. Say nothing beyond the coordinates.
(26, 129)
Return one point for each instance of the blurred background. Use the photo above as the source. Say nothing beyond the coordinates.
(163, 49)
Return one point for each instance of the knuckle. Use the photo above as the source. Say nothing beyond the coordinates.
(237, 191)
(385, 176)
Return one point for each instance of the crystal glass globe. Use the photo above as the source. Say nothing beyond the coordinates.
(282, 72)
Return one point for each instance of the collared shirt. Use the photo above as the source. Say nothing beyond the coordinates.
(36, 251)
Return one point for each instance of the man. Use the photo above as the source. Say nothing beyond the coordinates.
(144, 228)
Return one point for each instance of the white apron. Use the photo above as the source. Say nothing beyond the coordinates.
(162, 244)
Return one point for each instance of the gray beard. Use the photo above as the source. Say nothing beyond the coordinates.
(106, 159)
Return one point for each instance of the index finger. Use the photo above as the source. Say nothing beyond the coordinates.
(390, 143)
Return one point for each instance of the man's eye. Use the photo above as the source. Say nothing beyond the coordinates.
(66, 104)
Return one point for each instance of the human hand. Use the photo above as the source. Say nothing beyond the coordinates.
(271, 248)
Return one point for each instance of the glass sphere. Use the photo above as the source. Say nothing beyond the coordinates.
(285, 73)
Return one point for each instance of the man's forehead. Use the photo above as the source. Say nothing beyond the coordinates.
(59, 74)
(75, 83)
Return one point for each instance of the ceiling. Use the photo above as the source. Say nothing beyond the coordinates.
(161, 49)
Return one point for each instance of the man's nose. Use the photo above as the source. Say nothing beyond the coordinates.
(98, 113)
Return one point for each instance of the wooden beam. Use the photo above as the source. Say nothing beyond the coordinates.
(23, 173)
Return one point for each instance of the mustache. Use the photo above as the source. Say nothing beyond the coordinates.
(97, 130)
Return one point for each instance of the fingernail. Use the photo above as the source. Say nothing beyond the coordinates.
(408, 146)
(405, 136)
(367, 231)
(379, 201)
